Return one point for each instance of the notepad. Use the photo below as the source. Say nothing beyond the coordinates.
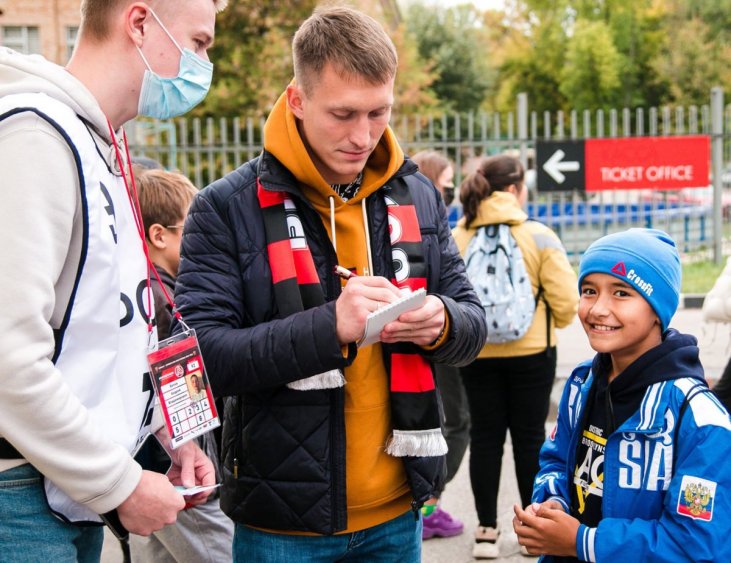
(381, 317)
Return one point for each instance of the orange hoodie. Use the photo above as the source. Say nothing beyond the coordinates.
(377, 490)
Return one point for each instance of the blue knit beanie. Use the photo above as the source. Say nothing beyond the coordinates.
(644, 258)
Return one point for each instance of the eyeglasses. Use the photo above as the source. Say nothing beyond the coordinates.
(174, 226)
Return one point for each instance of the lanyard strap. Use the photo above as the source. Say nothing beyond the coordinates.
(134, 202)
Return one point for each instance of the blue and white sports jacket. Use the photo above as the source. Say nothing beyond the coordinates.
(667, 490)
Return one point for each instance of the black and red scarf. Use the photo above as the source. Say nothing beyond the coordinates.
(414, 408)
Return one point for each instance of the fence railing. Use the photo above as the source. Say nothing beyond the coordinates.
(206, 149)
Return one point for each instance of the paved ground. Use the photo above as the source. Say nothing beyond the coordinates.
(457, 499)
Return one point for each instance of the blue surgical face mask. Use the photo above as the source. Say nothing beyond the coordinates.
(169, 97)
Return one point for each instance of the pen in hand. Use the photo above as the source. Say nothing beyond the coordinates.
(344, 273)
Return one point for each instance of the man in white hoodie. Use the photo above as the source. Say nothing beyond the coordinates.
(74, 285)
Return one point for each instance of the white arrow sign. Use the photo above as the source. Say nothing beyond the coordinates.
(555, 168)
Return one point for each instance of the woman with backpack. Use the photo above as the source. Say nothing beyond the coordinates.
(527, 287)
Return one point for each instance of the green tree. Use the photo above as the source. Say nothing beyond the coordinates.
(529, 42)
(413, 92)
(590, 77)
(252, 55)
(533, 65)
(447, 40)
(691, 64)
(637, 33)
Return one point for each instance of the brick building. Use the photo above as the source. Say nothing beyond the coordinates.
(48, 27)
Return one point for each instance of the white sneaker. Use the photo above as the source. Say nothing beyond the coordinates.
(486, 543)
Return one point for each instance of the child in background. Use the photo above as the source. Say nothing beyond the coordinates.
(637, 466)
(164, 201)
(203, 533)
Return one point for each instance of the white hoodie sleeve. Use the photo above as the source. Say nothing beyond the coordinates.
(39, 415)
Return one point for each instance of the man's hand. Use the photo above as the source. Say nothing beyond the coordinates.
(545, 529)
(420, 326)
(192, 467)
(153, 504)
(361, 295)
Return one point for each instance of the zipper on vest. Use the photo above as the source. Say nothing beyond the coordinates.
(239, 433)
(338, 501)
(415, 508)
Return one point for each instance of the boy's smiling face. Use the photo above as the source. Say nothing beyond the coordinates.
(617, 320)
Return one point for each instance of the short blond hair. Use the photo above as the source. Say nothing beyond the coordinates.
(164, 197)
(95, 14)
(353, 42)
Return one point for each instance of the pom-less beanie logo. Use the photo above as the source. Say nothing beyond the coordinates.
(621, 270)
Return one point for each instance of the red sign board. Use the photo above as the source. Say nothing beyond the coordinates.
(661, 163)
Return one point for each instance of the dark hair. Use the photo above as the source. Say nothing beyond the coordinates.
(494, 174)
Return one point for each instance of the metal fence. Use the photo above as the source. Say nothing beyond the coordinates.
(206, 149)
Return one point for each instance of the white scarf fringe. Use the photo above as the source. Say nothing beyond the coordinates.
(326, 380)
(420, 443)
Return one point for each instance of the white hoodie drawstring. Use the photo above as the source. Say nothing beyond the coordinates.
(367, 237)
(332, 223)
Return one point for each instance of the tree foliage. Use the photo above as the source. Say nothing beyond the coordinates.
(590, 76)
(524, 71)
(689, 67)
(447, 41)
(252, 55)
(565, 54)
(414, 79)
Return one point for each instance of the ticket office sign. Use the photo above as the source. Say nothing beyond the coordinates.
(628, 163)
(660, 163)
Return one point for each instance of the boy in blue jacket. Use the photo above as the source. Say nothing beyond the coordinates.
(638, 464)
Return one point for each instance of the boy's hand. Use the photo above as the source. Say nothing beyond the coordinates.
(531, 508)
(545, 530)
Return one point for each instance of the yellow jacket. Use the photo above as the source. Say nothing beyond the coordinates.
(546, 263)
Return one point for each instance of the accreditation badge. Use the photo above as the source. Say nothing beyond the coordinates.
(182, 387)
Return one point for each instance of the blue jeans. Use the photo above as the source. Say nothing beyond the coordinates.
(30, 532)
(396, 540)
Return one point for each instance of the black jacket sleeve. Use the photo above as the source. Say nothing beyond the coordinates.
(467, 326)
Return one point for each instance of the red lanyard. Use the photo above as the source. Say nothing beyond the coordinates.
(134, 202)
